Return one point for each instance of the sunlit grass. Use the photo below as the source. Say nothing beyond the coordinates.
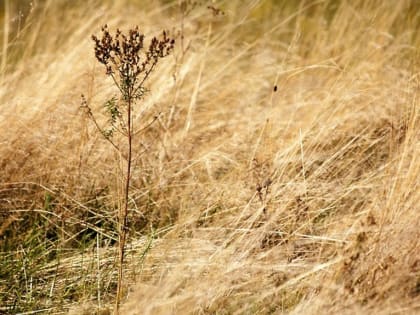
(246, 199)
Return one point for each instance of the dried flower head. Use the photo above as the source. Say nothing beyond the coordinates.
(125, 58)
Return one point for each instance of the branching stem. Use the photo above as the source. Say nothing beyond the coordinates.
(129, 65)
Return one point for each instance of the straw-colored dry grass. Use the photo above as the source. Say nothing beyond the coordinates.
(245, 200)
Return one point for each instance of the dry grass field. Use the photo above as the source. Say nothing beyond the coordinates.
(281, 175)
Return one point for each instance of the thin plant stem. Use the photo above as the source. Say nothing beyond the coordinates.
(123, 226)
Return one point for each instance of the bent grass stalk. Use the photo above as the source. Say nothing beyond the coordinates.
(129, 64)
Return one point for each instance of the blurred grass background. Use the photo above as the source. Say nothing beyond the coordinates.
(334, 231)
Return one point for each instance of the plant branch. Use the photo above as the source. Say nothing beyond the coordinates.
(92, 117)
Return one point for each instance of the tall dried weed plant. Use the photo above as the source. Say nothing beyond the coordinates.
(129, 63)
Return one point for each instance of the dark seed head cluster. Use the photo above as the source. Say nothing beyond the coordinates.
(126, 58)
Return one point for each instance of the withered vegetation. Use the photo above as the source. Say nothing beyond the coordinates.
(275, 169)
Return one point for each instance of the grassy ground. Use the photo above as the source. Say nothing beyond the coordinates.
(281, 175)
